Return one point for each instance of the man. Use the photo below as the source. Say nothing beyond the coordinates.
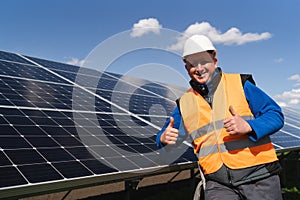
(229, 120)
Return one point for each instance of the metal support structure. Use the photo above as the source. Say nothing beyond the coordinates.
(174, 176)
(66, 195)
(130, 187)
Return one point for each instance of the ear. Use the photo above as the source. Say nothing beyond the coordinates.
(215, 60)
(186, 67)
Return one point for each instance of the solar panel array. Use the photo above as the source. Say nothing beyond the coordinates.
(61, 123)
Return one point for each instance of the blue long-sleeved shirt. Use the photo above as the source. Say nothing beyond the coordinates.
(268, 117)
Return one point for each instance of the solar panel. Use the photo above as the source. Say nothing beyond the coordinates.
(288, 138)
(63, 126)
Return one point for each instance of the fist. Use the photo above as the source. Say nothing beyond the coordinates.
(236, 124)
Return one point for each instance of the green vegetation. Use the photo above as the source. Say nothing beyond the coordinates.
(290, 174)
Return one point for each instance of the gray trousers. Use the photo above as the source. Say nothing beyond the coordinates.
(266, 189)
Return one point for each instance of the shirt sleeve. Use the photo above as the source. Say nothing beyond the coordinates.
(268, 117)
(177, 124)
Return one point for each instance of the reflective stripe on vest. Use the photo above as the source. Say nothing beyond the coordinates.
(212, 144)
(203, 130)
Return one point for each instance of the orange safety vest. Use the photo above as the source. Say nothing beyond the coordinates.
(212, 144)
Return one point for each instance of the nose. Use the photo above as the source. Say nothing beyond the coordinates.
(199, 66)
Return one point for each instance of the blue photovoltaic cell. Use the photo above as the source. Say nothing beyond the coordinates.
(27, 71)
(19, 92)
(10, 176)
(54, 65)
(12, 57)
(43, 172)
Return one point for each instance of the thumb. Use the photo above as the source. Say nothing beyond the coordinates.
(171, 122)
(232, 111)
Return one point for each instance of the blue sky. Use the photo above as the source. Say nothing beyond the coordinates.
(257, 37)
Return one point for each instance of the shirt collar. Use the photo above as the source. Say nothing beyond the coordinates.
(210, 87)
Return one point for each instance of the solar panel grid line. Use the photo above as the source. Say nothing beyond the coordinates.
(27, 71)
(71, 111)
(122, 92)
(65, 110)
(118, 90)
(34, 80)
(152, 115)
(83, 88)
(91, 73)
(34, 93)
(48, 135)
(56, 181)
(24, 179)
(128, 145)
(139, 99)
(47, 162)
(172, 100)
(18, 166)
(33, 98)
(55, 65)
(292, 110)
(112, 76)
(29, 90)
(12, 57)
(22, 63)
(293, 135)
(277, 146)
(292, 120)
(137, 141)
(81, 73)
(24, 136)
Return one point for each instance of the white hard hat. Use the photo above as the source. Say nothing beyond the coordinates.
(197, 44)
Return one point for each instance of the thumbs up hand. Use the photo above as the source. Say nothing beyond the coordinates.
(170, 135)
(236, 124)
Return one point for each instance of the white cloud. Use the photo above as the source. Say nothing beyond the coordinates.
(233, 36)
(294, 101)
(292, 97)
(278, 60)
(281, 104)
(145, 26)
(295, 77)
(289, 98)
(75, 61)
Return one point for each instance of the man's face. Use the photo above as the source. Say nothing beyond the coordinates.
(201, 66)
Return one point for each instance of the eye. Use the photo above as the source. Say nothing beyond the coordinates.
(204, 62)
